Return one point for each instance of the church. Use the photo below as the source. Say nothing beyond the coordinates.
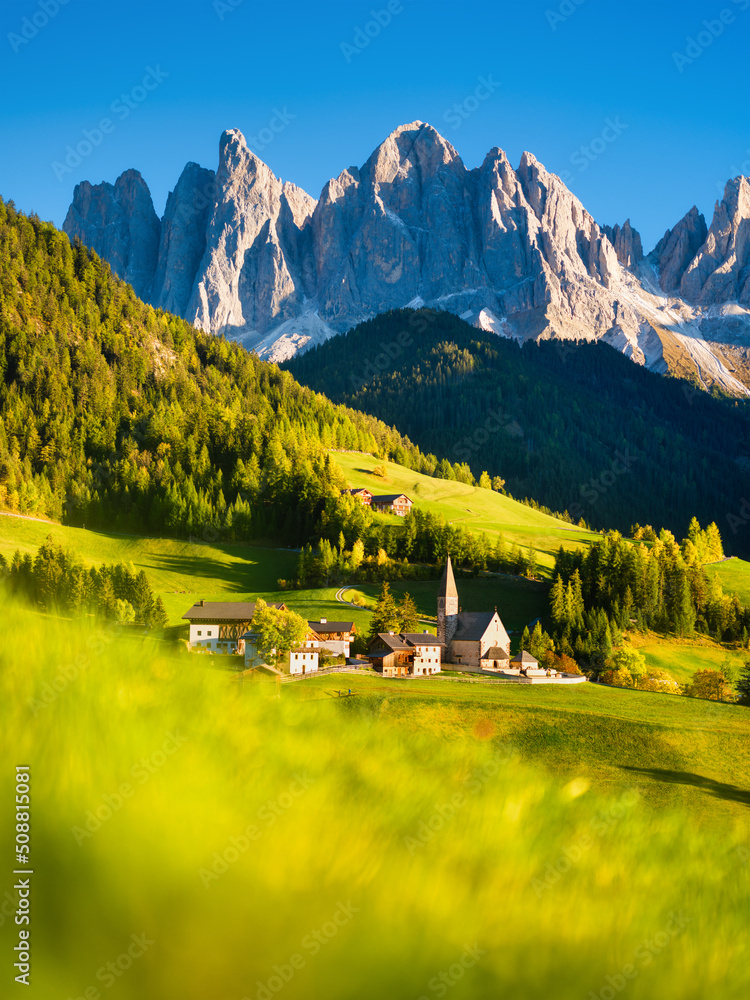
(469, 638)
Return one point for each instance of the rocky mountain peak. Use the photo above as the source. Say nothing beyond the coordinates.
(720, 270)
(119, 222)
(677, 248)
(512, 251)
(183, 238)
(626, 242)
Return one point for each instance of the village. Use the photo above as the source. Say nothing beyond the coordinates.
(466, 641)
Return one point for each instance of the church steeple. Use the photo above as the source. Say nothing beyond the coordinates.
(448, 583)
(447, 606)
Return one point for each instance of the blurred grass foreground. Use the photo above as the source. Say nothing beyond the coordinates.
(200, 838)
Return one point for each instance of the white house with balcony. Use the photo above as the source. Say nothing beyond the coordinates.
(302, 659)
(218, 626)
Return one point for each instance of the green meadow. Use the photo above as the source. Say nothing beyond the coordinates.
(682, 657)
(246, 841)
(182, 572)
(734, 575)
(471, 507)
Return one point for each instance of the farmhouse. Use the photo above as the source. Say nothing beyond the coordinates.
(470, 638)
(364, 496)
(302, 659)
(218, 626)
(405, 654)
(335, 637)
(392, 503)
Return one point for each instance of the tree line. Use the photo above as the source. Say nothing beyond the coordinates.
(117, 415)
(656, 583)
(55, 580)
(367, 550)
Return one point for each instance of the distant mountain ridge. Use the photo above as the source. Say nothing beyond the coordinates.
(512, 251)
(582, 429)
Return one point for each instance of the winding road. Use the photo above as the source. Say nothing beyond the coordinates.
(340, 598)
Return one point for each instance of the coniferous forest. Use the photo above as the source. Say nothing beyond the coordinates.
(117, 415)
(576, 427)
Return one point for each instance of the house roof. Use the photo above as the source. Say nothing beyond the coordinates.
(389, 497)
(233, 611)
(322, 628)
(524, 657)
(472, 625)
(421, 638)
(355, 493)
(406, 640)
(495, 653)
(448, 583)
(390, 639)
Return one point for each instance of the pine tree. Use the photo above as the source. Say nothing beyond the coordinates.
(531, 562)
(408, 615)
(526, 639)
(743, 685)
(386, 617)
(159, 615)
(557, 602)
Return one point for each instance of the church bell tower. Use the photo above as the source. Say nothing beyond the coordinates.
(447, 606)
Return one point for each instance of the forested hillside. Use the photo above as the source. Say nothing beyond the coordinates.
(118, 415)
(575, 426)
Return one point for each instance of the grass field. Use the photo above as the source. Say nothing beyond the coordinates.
(682, 657)
(735, 577)
(672, 749)
(182, 572)
(311, 846)
(473, 508)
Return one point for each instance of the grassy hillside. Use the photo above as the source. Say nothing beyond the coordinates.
(577, 427)
(183, 572)
(673, 749)
(122, 417)
(735, 577)
(682, 657)
(473, 508)
(575, 832)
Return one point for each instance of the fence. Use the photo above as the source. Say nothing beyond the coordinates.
(285, 678)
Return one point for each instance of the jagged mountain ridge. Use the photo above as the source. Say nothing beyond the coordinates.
(512, 251)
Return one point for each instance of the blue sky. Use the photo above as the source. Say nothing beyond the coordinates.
(559, 74)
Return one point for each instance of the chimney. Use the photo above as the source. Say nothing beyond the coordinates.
(201, 603)
(323, 621)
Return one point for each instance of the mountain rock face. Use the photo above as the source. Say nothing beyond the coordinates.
(678, 248)
(183, 239)
(251, 275)
(627, 243)
(120, 223)
(513, 251)
(720, 270)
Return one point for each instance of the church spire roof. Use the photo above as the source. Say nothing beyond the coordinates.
(448, 583)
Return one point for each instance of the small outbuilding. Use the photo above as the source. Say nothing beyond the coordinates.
(525, 663)
(495, 658)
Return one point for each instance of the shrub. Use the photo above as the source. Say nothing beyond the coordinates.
(709, 684)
